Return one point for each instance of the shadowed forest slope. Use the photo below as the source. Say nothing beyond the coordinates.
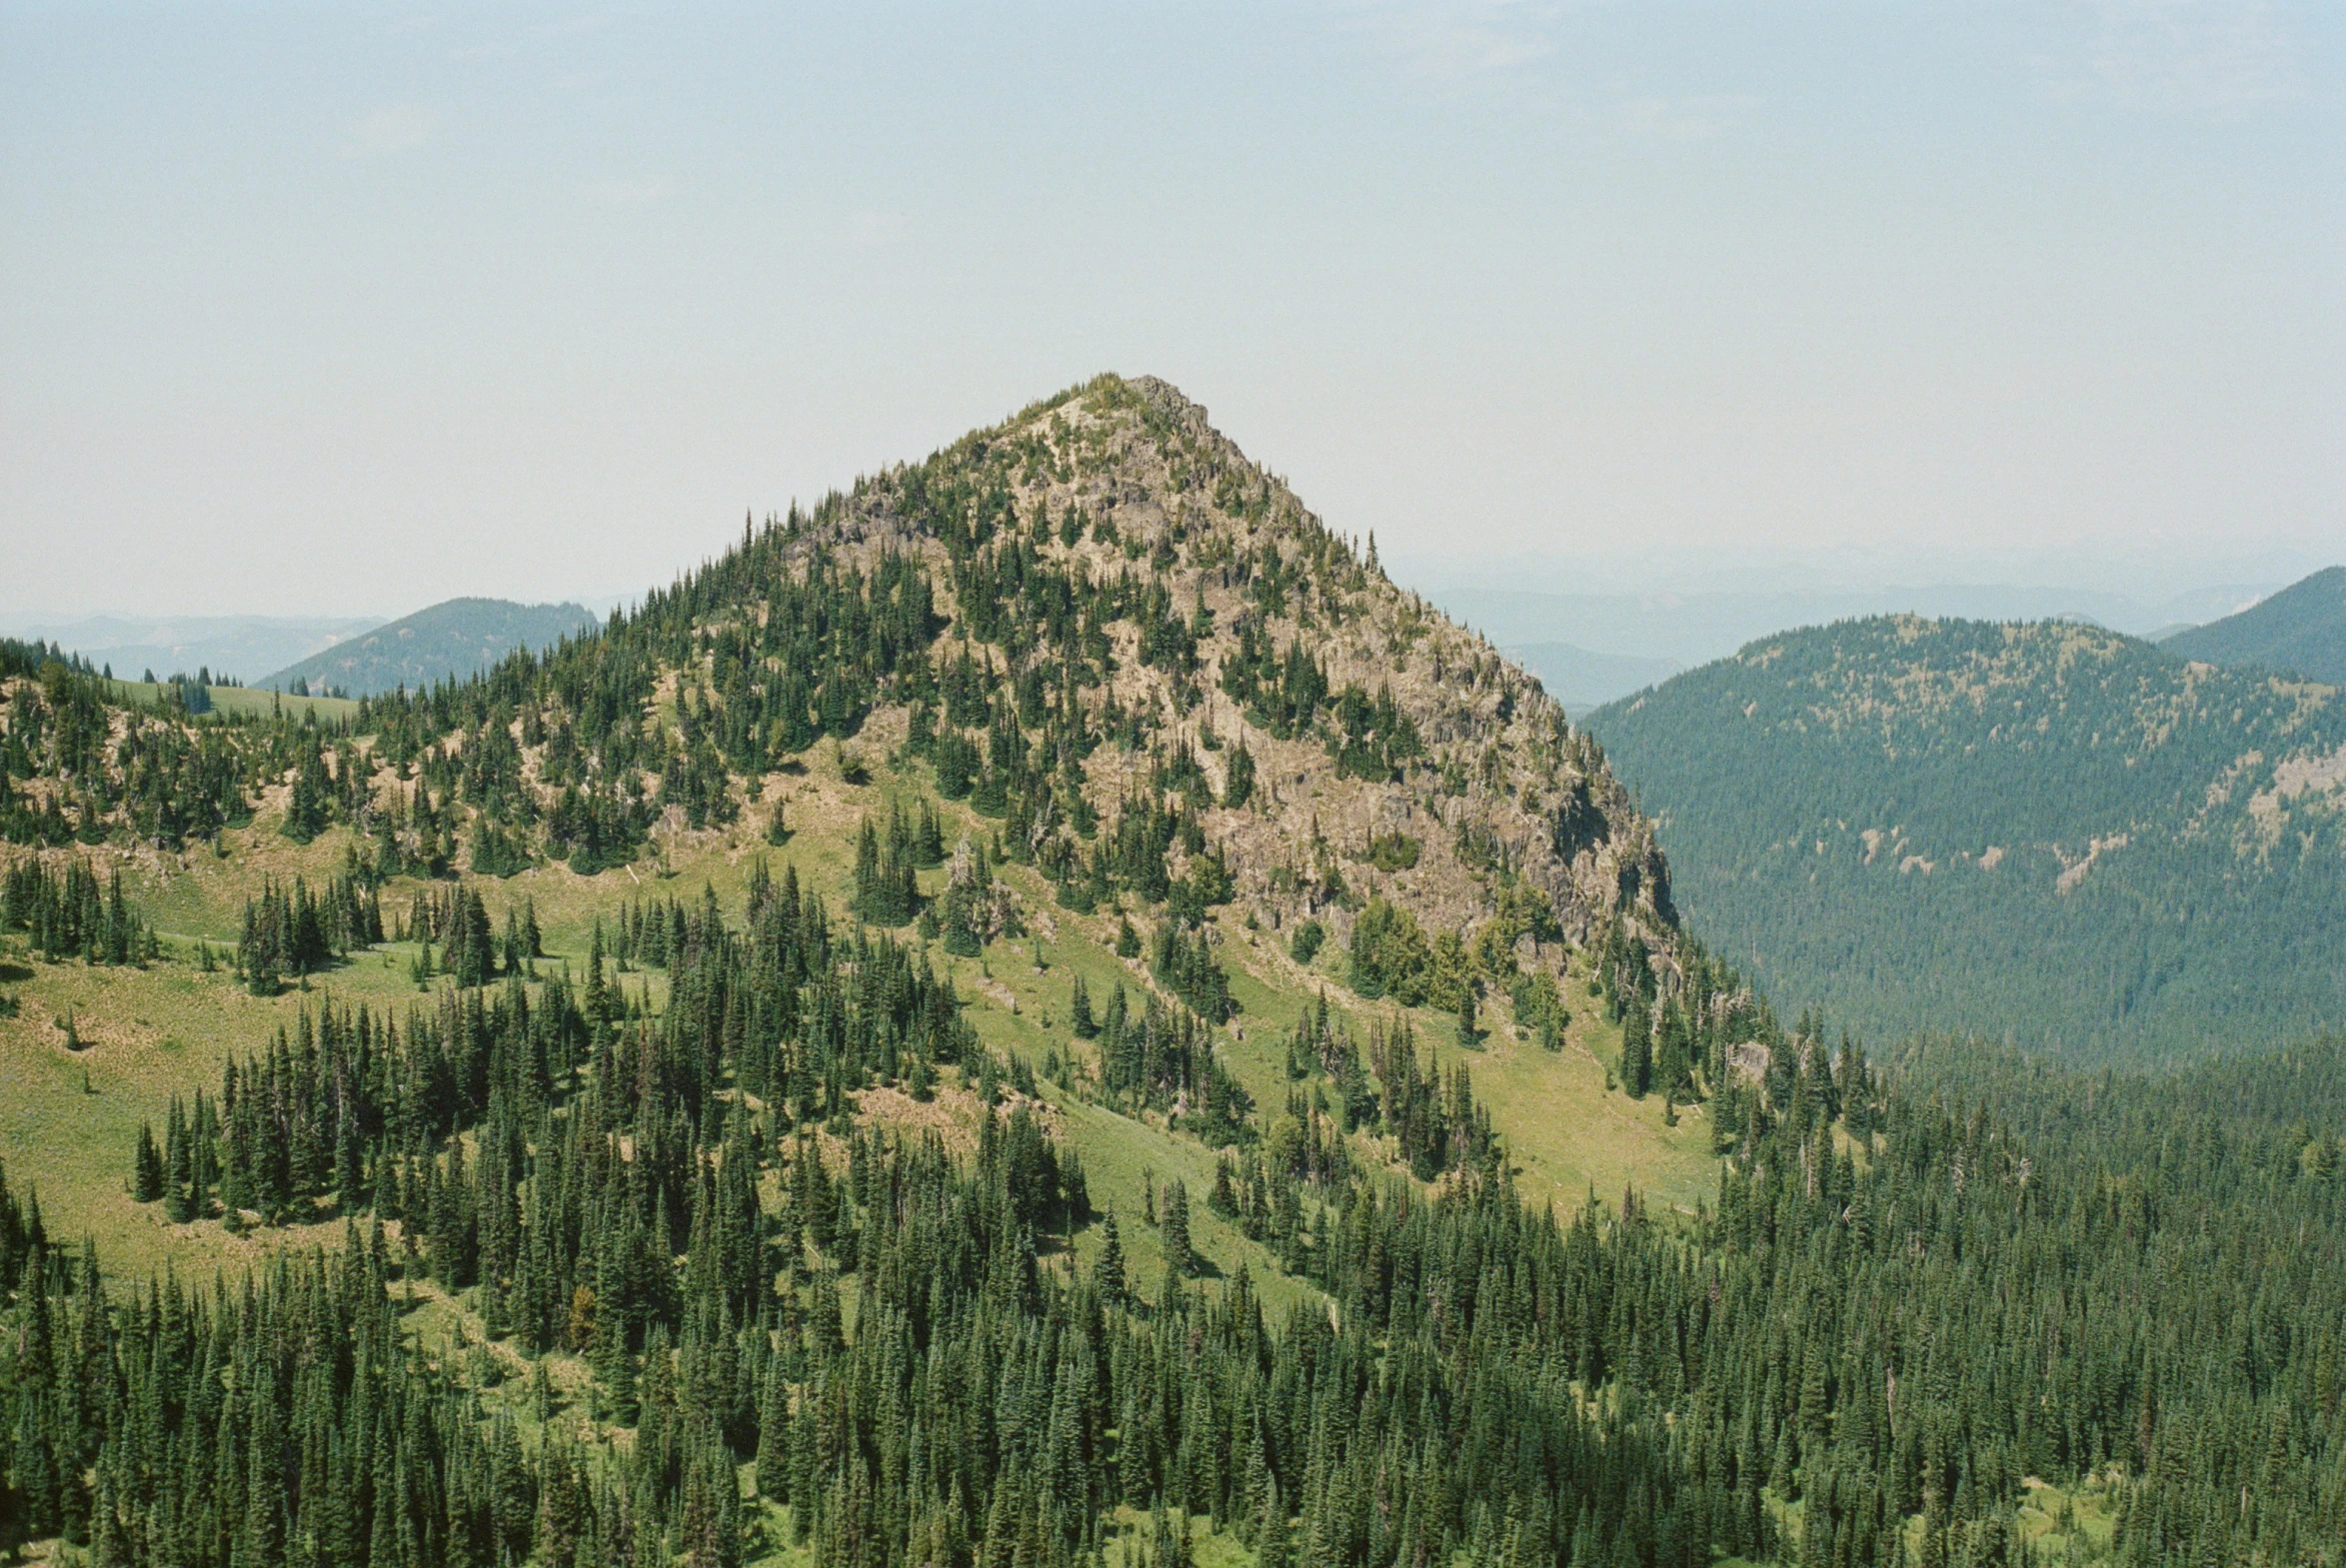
(2044, 832)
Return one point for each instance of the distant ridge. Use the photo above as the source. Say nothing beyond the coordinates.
(454, 638)
(239, 646)
(2042, 832)
(1580, 678)
(2299, 631)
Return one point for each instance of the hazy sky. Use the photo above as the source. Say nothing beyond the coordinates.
(347, 309)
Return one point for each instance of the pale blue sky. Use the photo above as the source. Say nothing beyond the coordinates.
(343, 310)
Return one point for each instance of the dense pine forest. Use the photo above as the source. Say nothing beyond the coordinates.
(2045, 834)
(775, 1225)
(1901, 1314)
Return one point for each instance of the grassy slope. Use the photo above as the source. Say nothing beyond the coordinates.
(150, 1033)
(242, 700)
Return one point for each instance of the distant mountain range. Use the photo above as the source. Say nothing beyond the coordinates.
(456, 638)
(2045, 831)
(1680, 628)
(2299, 631)
(227, 645)
(1580, 678)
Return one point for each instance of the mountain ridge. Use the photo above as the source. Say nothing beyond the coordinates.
(2299, 631)
(2038, 828)
(226, 645)
(452, 638)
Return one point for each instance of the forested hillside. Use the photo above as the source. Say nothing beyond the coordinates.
(449, 641)
(2043, 833)
(1042, 1013)
(2299, 631)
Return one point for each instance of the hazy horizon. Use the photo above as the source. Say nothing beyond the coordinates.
(2208, 589)
(1588, 636)
(352, 310)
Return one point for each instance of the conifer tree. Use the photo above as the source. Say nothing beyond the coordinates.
(1108, 1272)
(1636, 1052)
(147, 1180)
(1173, 1230)
(1239, 782)
(177, 1169)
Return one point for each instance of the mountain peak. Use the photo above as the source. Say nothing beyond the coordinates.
(1230, 616)
(1166, 397)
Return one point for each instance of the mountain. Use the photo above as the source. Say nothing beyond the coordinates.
(2041, 831)
(227, 645)
(1045, 1010)
(2301, 630)
(1144, 707)
(451, 640)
